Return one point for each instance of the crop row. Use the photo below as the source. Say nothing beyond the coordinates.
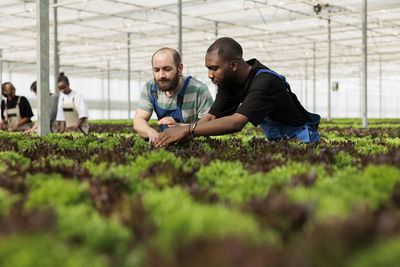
(112, 199)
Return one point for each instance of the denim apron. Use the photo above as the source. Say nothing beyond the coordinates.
(275, 130)
(175, 113)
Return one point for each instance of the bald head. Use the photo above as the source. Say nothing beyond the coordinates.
(227, 48)
(174, 54)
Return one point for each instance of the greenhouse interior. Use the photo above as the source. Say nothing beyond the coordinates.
(293, 164)
(95, 38)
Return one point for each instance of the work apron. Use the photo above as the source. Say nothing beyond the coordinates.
(13, 117)
(174, 113)
(71, 117)
(274, 130)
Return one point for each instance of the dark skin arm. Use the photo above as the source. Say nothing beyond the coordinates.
(206, 127)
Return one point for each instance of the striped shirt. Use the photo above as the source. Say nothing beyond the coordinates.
(196, 101)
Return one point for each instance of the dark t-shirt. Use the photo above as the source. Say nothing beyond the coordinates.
(258, 97)
(24, 107)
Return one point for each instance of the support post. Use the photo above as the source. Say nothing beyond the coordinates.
(180, 27)
(380, 89)
(108, 90)
(364, 65)
(314, 79)
(1, 71)
(216, 29)
(129, 75)
(56, 48)
(43, 71)
(329, 65)
(306, 83)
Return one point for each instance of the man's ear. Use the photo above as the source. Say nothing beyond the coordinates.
(180, 68)
(234, 65)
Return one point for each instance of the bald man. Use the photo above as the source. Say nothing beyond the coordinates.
(177, 100)
(248, 92)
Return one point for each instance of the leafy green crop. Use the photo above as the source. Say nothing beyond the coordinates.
(179, 220)
(349, 188)
(44, 251)
(6, 201)
(385, 253)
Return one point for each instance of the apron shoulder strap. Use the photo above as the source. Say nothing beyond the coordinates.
(153, 98)
(153, 93)
(276, 74)
(5, 109)
(183, 91)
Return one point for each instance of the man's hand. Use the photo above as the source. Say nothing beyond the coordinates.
(172, 135)
(153, 136)
(169, 121)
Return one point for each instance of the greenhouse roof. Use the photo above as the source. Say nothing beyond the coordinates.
(281, 34)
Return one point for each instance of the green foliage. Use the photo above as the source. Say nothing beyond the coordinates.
(140, 144)
(61, 161)
(44, 251)
(127, 122)
(343, 159)
(80, 222)
(54, 191)
(77, 219)
(393, 142)
(179, 220)
(365, 146)
(6, 201)
(133, 170)
(348, 188)
(26, 144)
(83, 229)
(230, 181)
(386, 253)
(14, 158)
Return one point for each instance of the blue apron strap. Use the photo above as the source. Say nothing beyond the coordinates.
(153, 98)
(283, 78)
(153, 93)
(182, 92)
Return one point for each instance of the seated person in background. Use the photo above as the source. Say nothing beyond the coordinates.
(248, 91)
(72, 111)
(176, 99)
(16, 112)
(53, 111)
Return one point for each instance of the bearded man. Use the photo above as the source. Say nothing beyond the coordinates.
(177, 100)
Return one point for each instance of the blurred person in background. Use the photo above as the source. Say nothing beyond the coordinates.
(176, 99)
(72, 111)
(16, 112)
(54, 125)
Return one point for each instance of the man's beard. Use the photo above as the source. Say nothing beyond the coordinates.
(165, 85)
(229, 78)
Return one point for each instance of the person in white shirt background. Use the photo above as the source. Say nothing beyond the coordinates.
(72, 111)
